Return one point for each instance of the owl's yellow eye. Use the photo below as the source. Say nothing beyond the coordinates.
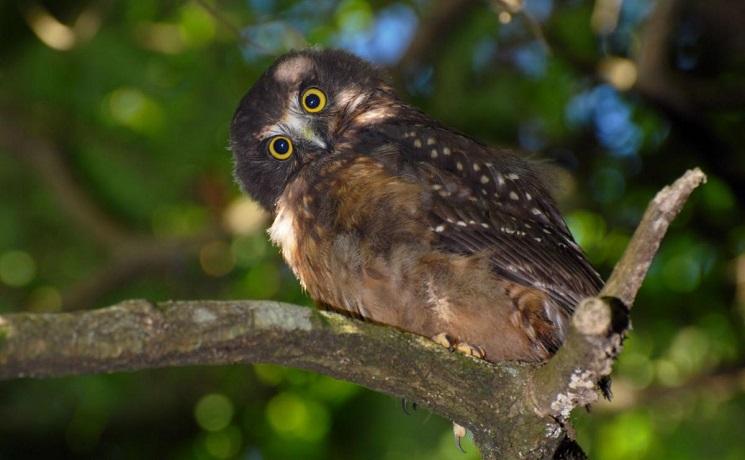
(313, 100)
(280, 147)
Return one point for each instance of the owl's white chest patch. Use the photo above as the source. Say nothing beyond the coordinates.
(283, 233)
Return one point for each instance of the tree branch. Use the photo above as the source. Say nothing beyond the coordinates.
(514, 410)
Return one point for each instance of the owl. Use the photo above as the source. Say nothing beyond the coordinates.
(387, 215)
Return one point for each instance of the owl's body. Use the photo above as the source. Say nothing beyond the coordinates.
(387, 215)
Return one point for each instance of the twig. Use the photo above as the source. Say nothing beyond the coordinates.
(600, 324)
(629, 272)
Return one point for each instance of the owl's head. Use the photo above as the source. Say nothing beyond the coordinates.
(303, 106)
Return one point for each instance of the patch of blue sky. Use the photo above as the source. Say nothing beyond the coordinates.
(386, 39)
(531, 59)
(539, 9)
(611, 117)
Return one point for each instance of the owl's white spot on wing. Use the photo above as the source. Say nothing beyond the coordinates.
(513, 176)
(514, 196)
(484, 179)
(459, 165)
(417, 143)
(476, 167)
(500, 179)
(446, 151)
(430, 141)
(536, 212)
(460, 223)
(434, 153)
(440, 228)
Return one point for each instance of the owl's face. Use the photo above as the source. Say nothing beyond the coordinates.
(297, 111)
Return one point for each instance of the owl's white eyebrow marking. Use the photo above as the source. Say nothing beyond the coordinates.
(292, 69)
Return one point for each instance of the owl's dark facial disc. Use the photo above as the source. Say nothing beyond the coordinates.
(305, 100)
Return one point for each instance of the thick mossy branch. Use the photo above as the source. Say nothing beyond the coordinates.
(514, 410)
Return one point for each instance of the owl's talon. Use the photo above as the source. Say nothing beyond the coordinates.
(470, 350)
(443, 339)
(459, 431)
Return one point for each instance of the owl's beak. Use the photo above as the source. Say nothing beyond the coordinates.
(312, 137)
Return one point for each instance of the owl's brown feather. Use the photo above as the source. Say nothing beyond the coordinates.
(361, 239)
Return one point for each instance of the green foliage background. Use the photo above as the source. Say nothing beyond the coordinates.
(131, 115)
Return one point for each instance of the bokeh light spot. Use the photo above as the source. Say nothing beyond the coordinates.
(628, 436)
(197, 26)
(44, 299)
(292, 416)
(619, 72)
(244, 216)
(213, 412)
(216, 258)
(225, 443)
(17, 268)
(132, 108)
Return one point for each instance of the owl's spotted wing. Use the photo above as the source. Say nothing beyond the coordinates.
(495, 205)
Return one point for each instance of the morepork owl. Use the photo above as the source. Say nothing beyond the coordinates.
(385, 214)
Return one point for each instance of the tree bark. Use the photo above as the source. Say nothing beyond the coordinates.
(514, 410)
